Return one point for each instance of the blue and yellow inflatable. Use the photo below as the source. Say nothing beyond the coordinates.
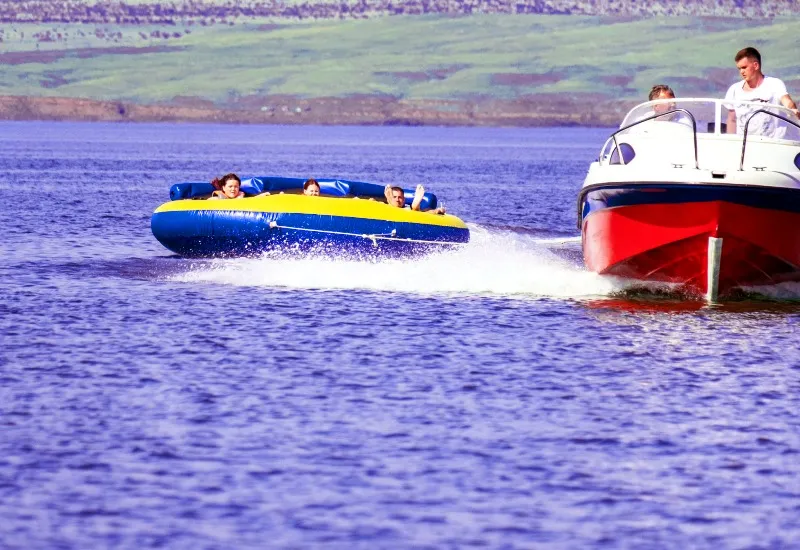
(342, 220)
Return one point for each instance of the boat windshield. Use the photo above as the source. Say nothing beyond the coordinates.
(711, 116)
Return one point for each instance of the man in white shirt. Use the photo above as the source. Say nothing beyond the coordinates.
(756, 87)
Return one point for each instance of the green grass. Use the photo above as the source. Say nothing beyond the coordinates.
(339, 58)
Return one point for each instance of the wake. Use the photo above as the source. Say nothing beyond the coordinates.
(495, 262)
(492, 263)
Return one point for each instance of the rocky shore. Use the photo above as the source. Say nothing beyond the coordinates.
(540, 110)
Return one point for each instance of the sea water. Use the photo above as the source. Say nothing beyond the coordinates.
(497, 396)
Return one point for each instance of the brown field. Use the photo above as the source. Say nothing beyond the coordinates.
(51, 56)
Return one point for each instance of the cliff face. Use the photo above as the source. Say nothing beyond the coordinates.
(353, 110)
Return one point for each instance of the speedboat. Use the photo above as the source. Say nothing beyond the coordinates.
(679, 195)
(348, 218)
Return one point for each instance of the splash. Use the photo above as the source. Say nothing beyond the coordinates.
(788, 291)
(493, 263)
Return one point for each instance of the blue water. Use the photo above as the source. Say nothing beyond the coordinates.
(498, 396)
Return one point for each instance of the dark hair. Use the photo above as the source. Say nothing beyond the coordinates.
(656, 90)
(749, 52)
(395, 188)
(219, 182)
(309, 182)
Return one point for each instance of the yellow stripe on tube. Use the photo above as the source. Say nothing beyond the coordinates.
(324, 206)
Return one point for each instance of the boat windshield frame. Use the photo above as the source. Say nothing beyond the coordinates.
(719, 105)
(654, 116)
(688, 102)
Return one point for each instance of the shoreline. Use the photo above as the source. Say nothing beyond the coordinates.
(531, 111)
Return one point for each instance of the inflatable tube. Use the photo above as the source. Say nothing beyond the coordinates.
(290, 222)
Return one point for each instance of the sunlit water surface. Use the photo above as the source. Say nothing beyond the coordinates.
(494, 396)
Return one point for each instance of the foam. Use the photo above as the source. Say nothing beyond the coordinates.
(783, 291)
(494, 262)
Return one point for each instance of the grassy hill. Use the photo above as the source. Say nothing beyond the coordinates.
(538, 59)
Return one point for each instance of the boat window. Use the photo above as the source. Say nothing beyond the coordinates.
(628, 154)
(792, 132)
(797, 161)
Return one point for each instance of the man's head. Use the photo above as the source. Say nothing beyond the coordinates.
(398, 197)
(662, 91)
(748, 61)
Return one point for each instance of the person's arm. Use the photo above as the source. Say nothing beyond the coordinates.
(731, 122)
(730, 95)
(789, 103)
(387, 192)
(419, 194)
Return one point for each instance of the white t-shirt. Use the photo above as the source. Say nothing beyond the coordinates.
(769, 92)
(680, 118)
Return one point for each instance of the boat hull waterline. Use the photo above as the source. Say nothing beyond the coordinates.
(662, 233)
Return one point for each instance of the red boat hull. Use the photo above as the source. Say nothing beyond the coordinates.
(668, 242)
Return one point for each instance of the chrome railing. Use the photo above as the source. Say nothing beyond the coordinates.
(747, 125)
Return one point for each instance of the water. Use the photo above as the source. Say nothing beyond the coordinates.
(497, 396)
